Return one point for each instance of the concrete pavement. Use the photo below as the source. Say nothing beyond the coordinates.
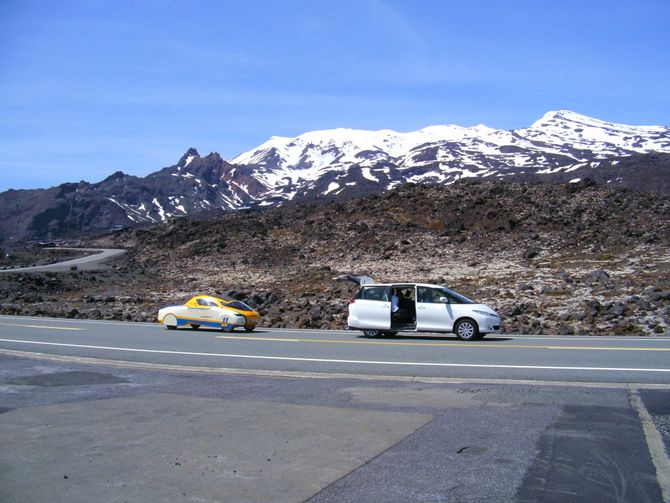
(72, 432)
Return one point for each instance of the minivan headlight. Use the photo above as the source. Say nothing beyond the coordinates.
(486, 313)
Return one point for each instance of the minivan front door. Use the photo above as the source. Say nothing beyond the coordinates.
(431, 314)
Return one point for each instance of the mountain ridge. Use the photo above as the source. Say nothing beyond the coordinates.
(343, 163)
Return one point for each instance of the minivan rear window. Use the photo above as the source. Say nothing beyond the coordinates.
(379, 293)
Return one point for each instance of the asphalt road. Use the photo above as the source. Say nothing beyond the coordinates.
(109, 411)
(643, 360)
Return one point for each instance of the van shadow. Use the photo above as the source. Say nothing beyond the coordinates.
(433, 338)
(237, 331)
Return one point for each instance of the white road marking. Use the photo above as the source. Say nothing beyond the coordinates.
(446, 344)
(354, 333)
(654, 443)
(47, 327)
(328, 360)
(145, 324)
(323, 375)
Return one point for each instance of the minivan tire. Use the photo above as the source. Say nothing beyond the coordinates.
(467, 330)
(371, 332)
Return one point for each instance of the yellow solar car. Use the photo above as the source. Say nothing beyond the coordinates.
(204, 310)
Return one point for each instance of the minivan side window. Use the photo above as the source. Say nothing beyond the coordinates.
(432, 296)
(379, 293)
(429, 295)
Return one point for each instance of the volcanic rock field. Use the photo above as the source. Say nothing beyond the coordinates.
(550, 258)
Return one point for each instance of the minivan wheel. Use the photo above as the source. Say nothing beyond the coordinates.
(467, 330)
(369, 332)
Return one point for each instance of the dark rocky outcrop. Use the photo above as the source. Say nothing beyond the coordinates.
(572, 258)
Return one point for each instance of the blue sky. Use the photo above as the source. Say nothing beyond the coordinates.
(94, 86)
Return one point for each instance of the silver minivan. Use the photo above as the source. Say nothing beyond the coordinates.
(386, 309)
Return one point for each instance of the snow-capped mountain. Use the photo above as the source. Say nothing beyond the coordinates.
(561, 146)
(558, 142)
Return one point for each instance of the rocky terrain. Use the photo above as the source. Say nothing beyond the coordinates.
(571, 258)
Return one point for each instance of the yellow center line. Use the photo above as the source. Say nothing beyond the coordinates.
(604, 348)
(265, 339)
(491, 345)
(42, 326)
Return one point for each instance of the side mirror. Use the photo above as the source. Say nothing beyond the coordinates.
(444, 300)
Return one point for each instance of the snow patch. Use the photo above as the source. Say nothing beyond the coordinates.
(331, 187)
(161, 211)
(367, 174)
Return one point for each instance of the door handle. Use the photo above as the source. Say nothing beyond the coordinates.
(422, 307)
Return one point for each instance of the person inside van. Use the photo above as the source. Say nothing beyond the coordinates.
(402, 310)
(395, 301)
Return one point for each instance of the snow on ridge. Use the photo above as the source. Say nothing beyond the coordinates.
(553, 129)
(559, 141)
(560, 128)
(584, 120)
(350, 140)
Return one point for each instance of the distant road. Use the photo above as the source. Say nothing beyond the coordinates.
(89, 262)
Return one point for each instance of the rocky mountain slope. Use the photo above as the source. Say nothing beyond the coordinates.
(344, 163)
(571, 258)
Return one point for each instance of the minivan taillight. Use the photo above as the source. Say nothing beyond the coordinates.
(352, 300)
